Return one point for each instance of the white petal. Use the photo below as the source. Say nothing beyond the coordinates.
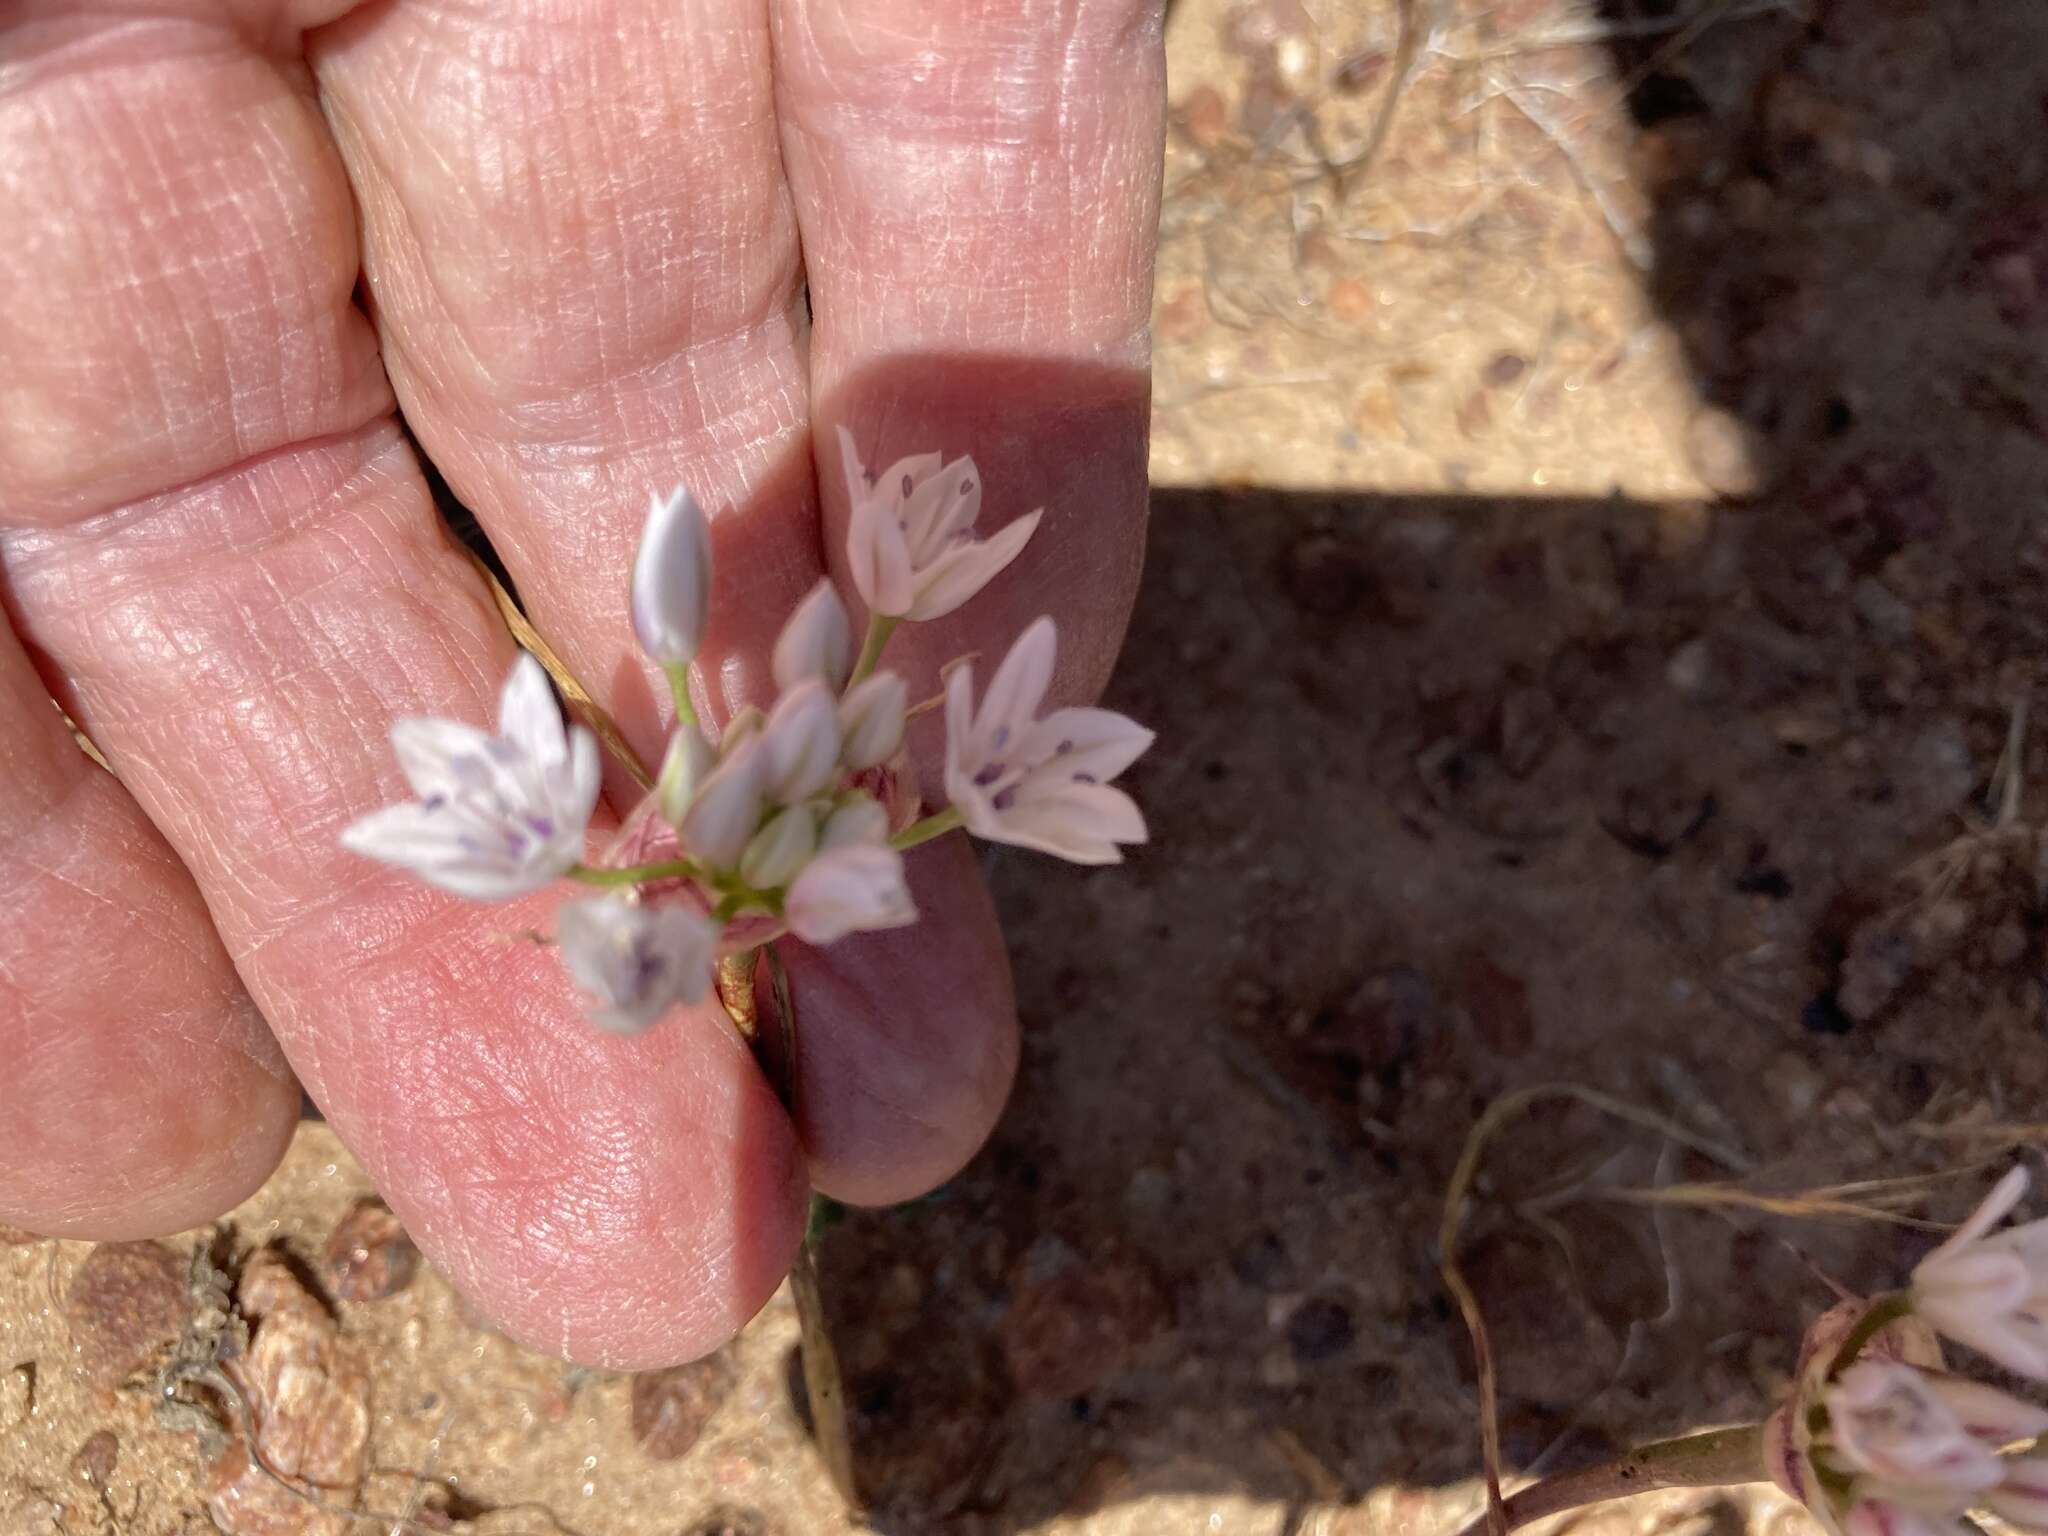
(871, 718)
(577, 794)
(636, 962)
(849, 890)
(802, 742)
(1079, 822)
(428, 845)
(1094, 745)
(2023, 1497)
(1994, 1208)
(780, 849)
(1015, 692)
(431, 752)
(1994, 1417)
(878, 558)
(899, 482)
(963, 568)
(855, 473)
(721, 822)
(528, 716)
(671, 591)
(942, 505)
(816, 642)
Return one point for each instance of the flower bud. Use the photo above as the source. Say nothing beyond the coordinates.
(683, 767)
(802, 743)
(849, 890)
(746, 723)
(816, 642)
(672, 579)
(861, 819)
(780, 849)
(721, 820)
(871, 720)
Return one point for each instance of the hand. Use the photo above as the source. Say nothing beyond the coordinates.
(590, 238)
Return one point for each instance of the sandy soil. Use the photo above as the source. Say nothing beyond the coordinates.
(1597, 568)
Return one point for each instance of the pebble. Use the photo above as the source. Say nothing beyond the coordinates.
(368, 1255)
(1722, 453)
(1321, 1328)
(93, 1462)
(126, 1301)
(671, 1407)
(1067, 1332)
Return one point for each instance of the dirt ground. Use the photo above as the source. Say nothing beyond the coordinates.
(1597, 573)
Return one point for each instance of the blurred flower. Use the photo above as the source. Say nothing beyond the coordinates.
(497, 816)
(910, 541)
(816, 642)
(1040, 783)
(2022, 1496)
(780, 849)
(635, 961)
(854, 888)
(1922, 1430)
(861, 819)
(1989, 1290)
(672, 579)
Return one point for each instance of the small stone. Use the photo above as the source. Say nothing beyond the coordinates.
(1505, 368)
(1065, 1333)
(1351, 300)
(126, 1301)
(1278, 1368)
(1321, 1328)
(1690, 667)
(1723, 455)
(671, 1407)
(368, 1255)
(1205, 116)
(93, 1462)
(307, 1392)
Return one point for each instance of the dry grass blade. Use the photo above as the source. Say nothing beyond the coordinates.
(1498, 1114)
(588, 710)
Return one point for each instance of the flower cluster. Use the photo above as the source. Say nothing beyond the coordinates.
(1878, 1439)
(793, 820)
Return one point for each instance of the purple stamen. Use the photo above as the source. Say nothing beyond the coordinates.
(989, 774)
(907, 486)
(1086, 778)
(1006, 799)
(1002, 737)
(1063, 749)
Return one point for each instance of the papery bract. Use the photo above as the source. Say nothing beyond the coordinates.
(635, 961)
(672, 579)
(851, 889)
(1040, 783)
(497, 816)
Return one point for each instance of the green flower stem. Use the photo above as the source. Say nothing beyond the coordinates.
(637, 874)
(1882, 1313)
(679, 689)
(880, 628)
(936, 825)
(1710, 1460)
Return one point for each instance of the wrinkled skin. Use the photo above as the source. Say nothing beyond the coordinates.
(573, 241)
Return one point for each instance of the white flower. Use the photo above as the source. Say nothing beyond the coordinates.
(672, 579)
(780, 849)
(910, 542)
(816, 642)
(635, 961)
(1917, 1429)
(802, 743)
(1989, 1290)
(871, 720)
(861, 819)
(497, 816)
(722, 819)
(1897, 1517)
(855, 888)
(683, 767)
(1040, 784)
